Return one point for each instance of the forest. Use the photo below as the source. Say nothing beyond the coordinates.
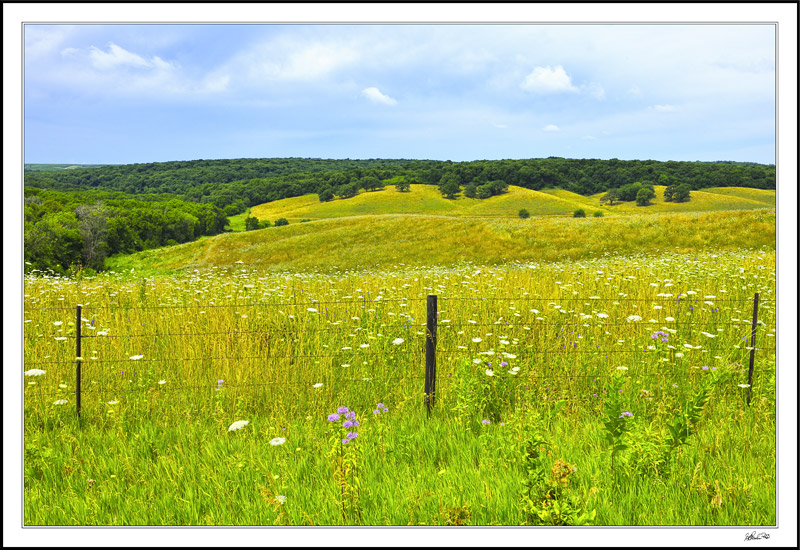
(82, 215)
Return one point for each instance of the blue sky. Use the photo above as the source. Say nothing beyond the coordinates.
(145, 93)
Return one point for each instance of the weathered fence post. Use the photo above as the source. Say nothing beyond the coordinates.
(78, 360)
(430, 354)
(752, 348)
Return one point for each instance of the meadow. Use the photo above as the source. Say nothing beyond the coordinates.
(601, 388)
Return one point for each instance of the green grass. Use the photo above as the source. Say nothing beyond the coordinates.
(161, 454)
(236, 223)
(427, 200)
(382, 241)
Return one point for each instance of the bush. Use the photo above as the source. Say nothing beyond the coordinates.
(326, 195)
(281, 221)
(524, 214)
(579, 213)
(598, 214)
(305, 220)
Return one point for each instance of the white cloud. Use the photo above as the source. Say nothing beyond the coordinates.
(116, 57)
(635, 91)
(500, 125)
(546, 80)
(376, 96)
(551, 128)
(665, 108)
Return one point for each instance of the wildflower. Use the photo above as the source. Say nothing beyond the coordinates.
(633, 318)
(351, 415)
(397, 341)
(743, 385)
(280, 499)
(62, 386)
(380, 405)
(622, 368)
(626, 413)
(503, 363)
(477, 339)
(489, 372)
(277, 441)
(34, 372)
(347, 424)
(375, 411)
(485, 422)
(705, 368)
(333, 417)
(238, 425)
(345, 440)
(113, 402)
(342, 410)
(60, 338)
(674, 385)
(60, 402)
(312, 310)
(162, 382)
(352, 435)
(317, 385)
(136, 357)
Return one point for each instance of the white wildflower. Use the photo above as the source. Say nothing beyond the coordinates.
(277, 441)
(317, 385)
(136, 357)
(60, 402)
(34, 372)
(397, 341)
(238, 425)
(489, 372)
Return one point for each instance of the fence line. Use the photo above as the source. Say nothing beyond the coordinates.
(676, 298)
(432, 324)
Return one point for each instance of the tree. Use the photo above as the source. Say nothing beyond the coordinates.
(669, 193)
(403, 186)
(471, 190)
(348, 191)
(610, 196)
(93, 228)
(644, 196)
(498, 187)
(371, 183)
(326, 194)
(524, 214)
(579, 213)
(450, 186)
(251, 223)
(682, 193)
(484, 191)
(281, 221)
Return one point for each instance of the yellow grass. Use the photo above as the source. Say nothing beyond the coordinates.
(386, 240)
(701, 201)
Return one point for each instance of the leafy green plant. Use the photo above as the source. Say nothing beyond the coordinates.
(615, 419)
(579, 213)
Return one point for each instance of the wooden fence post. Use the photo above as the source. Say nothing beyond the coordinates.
(430, 354)
(78, 360)
(752, 348)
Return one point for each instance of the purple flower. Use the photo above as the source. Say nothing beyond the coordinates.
(333, 417)
(626, 414)
(342, 410)
(351, 415)
(386, 410)
(705, 368)
(352, 435)
(355, 423)
(485, 422)
(345, 440)
(375, 411)
(380, 405)
(346, 424)
(503, 363)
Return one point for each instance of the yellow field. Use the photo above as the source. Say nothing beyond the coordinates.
(388, 240)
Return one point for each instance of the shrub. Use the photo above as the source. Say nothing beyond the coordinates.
(579, 213)
(281, 221)
(524, 213)
(305, 220)
(326, 195)
(598, 214)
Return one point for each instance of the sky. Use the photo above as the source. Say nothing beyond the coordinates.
(149, 93)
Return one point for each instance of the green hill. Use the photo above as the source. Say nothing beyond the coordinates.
(387, 240)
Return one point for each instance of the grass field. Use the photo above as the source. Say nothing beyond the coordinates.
(171, 363)
(426, 199)
(589, 371)
(383, 241)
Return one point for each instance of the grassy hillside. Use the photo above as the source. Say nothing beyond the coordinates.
(707, 200)
(388, 240)
(426, 199)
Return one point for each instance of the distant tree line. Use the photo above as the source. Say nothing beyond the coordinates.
(82, 215)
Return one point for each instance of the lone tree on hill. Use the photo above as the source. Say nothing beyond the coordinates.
(449, 186)
(403, 186)
(644, 196)
(610, 196)
(524, 214)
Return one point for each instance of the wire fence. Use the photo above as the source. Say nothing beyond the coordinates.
(558, 364)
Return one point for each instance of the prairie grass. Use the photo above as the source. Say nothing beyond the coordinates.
(170, 361)
(378, 242)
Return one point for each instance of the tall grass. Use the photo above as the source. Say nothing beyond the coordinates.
(171, 361)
